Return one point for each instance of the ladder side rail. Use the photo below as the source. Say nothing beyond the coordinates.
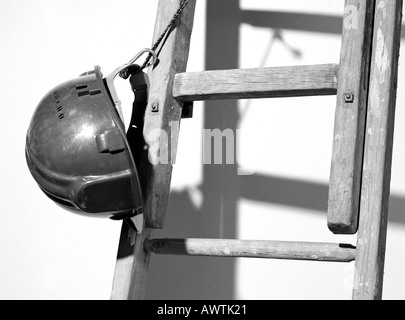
(350, 117)
(371, 240)
(163, 110)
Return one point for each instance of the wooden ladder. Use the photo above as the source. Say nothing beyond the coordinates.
(365, 83)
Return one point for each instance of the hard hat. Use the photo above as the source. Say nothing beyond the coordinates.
(78, 152)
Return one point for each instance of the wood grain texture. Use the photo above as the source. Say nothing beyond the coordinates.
(132, 264)
(257, 83)
(253, 249)
(350, 118)
(371, 241)
(160, 137)
(132, 261)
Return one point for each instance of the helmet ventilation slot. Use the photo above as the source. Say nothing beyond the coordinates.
(83, 90)
(59, 107)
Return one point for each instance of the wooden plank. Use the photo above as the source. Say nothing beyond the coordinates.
(350, 118)
(257, 83)
(253, 249)
(371, 242)
(162, 112)
(131, 268)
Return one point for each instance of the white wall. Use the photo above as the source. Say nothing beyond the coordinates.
(47, 253)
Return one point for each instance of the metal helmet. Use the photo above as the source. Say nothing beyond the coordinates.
(78, 152)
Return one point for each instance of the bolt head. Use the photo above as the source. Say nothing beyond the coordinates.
(349, 97)
(155, 107)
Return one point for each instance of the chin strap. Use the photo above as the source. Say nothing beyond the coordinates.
(139, 84)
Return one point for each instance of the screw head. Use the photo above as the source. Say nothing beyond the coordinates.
(155, 107)
(349, 97)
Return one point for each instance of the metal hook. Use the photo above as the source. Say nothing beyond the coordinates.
(141, 53)
(124, 72)
(110, 78)
(132, 61)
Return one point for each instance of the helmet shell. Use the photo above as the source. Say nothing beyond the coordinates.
(78, 153)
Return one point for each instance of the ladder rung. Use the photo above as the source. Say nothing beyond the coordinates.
(253, 249)
(275, 82)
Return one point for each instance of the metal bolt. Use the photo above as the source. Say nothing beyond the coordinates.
(349, 97)
(155, 107)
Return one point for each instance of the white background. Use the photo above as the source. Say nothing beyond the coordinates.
(48, 253)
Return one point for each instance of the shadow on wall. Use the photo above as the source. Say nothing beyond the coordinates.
(177, 277)
(295, 21)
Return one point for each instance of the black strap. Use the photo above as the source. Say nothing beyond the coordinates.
(139, 85)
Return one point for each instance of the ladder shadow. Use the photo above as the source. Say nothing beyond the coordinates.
(315, 23)
(303, 194)
(203, 278)
(185, 277)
